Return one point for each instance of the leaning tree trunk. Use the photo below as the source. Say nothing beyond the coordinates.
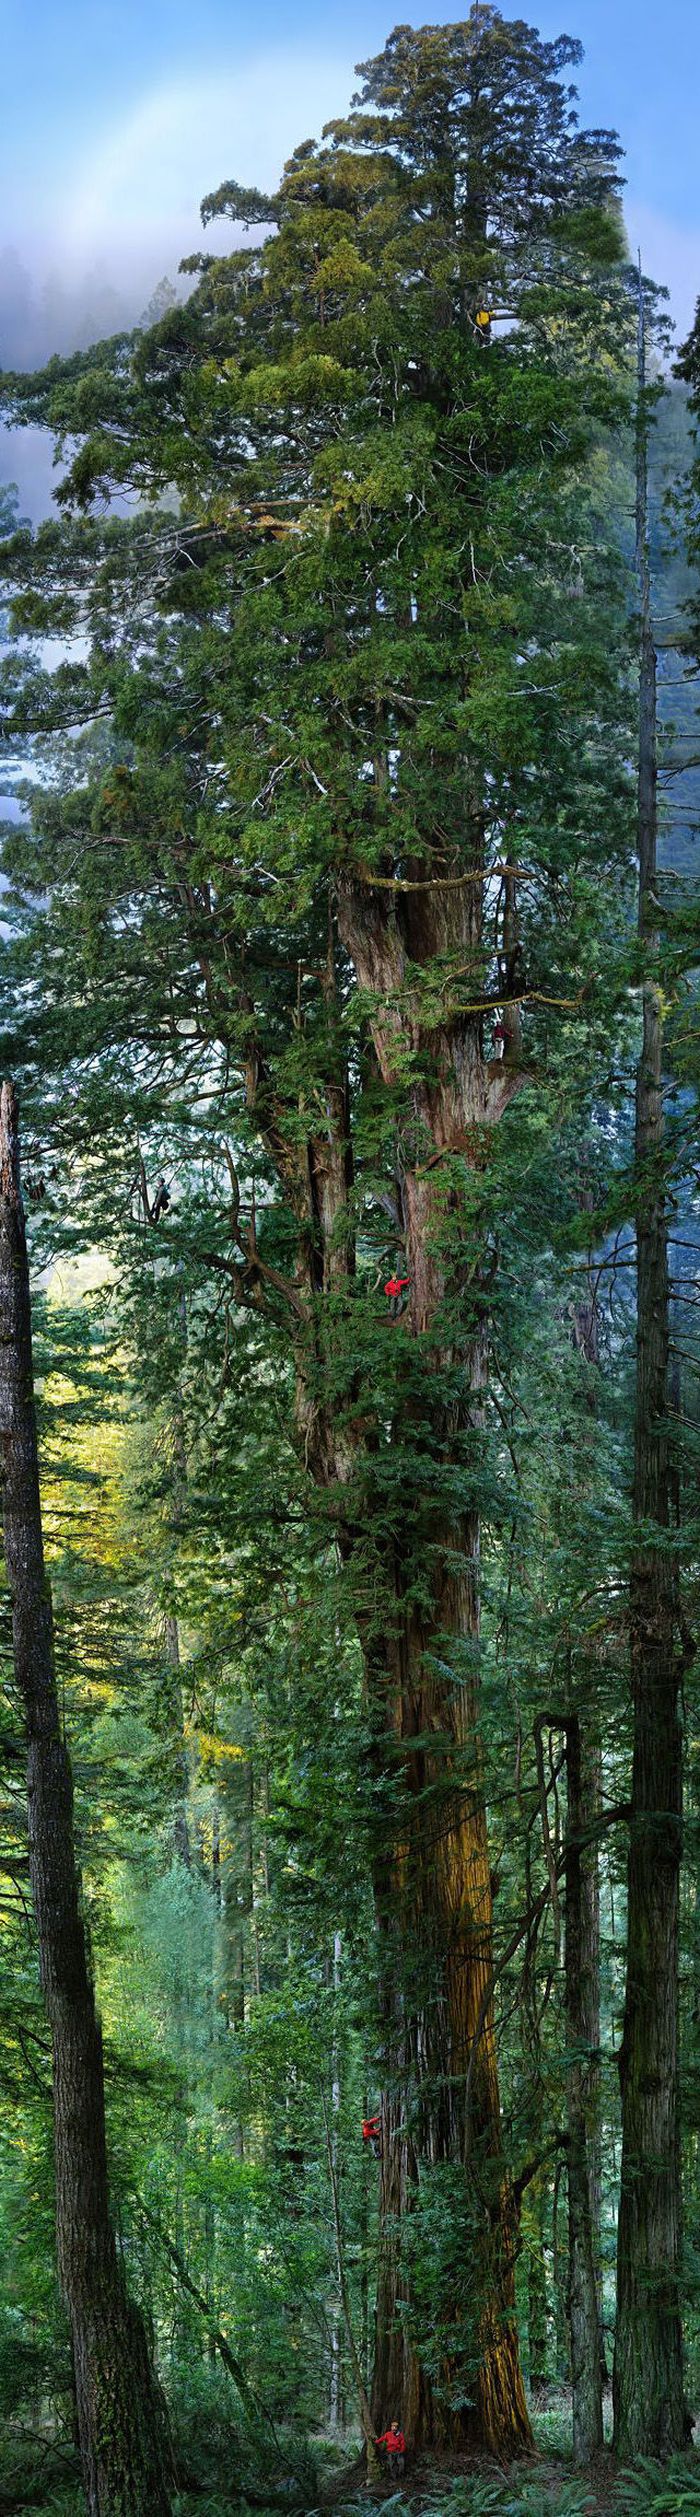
(648, 2370)
(121, 2420)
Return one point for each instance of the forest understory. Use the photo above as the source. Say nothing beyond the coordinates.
(46, 2477)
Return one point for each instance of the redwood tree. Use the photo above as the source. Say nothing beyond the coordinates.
(367, 701)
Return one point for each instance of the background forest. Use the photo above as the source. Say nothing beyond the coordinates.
(349, 946)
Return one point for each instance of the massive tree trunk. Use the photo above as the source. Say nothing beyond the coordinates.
(648, 2371)
(121, 2420)
(441, 2103)
(433, 1882)
(420, 1632)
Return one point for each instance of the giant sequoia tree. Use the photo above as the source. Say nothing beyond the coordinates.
(342, 875)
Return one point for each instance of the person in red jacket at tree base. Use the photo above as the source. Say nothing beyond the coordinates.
(372, 2132)
(394, 1288)
(394, 2445)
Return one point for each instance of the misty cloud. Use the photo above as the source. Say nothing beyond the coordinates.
(56, 315)
(127, 213)
(42, 315)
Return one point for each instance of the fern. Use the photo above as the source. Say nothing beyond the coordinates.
(654, 2490)
(535, 2500)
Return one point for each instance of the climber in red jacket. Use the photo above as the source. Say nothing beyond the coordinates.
(372, 2132)
(394, 1288)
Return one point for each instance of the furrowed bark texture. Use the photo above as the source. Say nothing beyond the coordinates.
(433, 1888)
(434, 1905)
(432, 1875)
(121, 2421)
(648, 2370)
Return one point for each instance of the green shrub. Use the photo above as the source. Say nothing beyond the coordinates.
(219, 2448)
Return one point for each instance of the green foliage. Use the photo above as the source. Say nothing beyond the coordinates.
(480, 2494)
(212, 2441)
(653, 2490)
(361, 640)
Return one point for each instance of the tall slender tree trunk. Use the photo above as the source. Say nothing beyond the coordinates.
(121, 2421)
(581, 1973)
(592, 1794)
(537, 2305)
(584, 1772)
(336, 2367)
(562, 2338)
(176, 1720)
(176, 1727)
(648, 2371)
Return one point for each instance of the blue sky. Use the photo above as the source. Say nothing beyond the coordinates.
(117, 114)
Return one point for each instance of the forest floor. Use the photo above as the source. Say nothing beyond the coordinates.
(544, 2485)
(38, 2478)
(549, 2488)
